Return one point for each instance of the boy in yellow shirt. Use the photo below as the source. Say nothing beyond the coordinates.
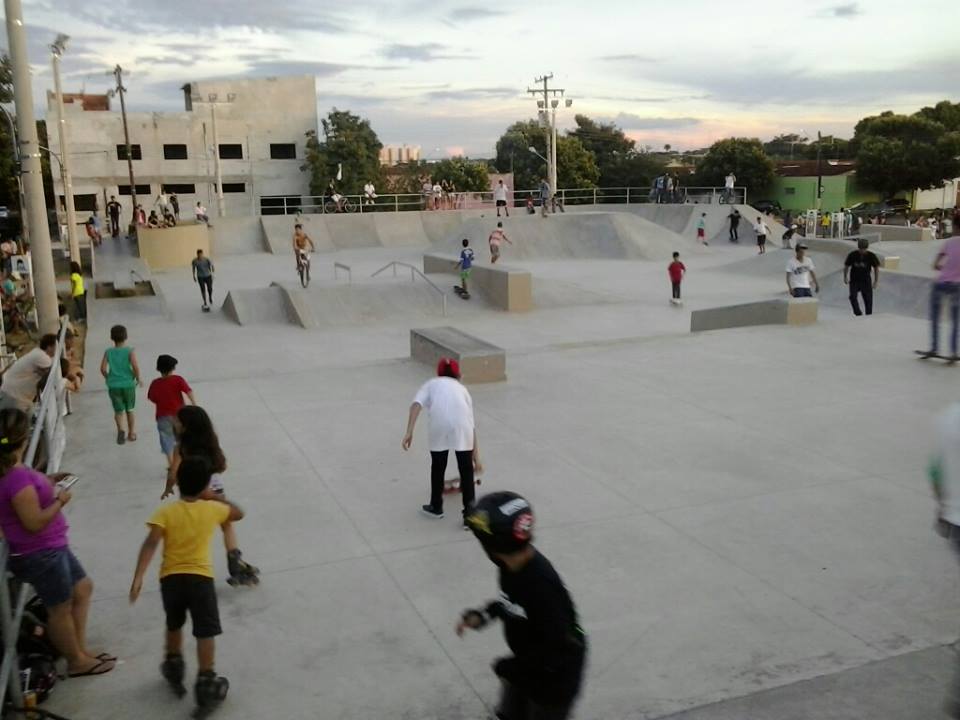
(186, 576)
(78, 292)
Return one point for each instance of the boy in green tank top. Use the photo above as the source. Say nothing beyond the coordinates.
(119, 368)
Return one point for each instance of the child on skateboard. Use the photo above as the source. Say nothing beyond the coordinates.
(702, 229)
(542, 678)
(186, 577)
(464, 264)
(496, 238)
(676, 270)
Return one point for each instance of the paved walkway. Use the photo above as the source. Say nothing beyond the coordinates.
(734, 512)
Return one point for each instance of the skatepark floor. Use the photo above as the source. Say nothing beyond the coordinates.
(742, 515)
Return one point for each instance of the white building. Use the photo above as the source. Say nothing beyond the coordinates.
(391, 155)
(261, 131)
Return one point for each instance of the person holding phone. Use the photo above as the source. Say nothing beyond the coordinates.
(35, 528)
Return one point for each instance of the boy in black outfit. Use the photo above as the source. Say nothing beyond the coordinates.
(857, 270)
(542, 679)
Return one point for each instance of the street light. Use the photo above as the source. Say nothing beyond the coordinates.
(534, 151)
(57, 49)
(16, 156)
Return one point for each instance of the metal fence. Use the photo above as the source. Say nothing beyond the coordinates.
(399, 202)
(47, 442)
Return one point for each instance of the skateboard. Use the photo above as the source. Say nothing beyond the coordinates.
(453, 485)
(459, 291)
(676, 301)
(206, 308)
(924, 355)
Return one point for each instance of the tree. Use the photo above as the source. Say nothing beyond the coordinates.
(903, 152)
(945, 112)
(9, 195)
(349, 142)
(467, 175)
(742, 156)
(576, 167)
(616, 155)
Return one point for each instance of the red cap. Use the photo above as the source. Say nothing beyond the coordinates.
(448, 367)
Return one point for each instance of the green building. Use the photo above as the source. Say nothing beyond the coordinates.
(795, 186)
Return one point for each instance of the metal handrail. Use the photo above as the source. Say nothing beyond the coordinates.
(341, 266)
(414, 272)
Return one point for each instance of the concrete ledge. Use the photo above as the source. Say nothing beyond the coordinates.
(890, 262)
(296, 307)
(505, 288)
(898, 233)
(176, 247)
(802, 311)
(480, 362)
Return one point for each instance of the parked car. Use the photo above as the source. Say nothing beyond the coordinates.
(767, 207)
(887, 208)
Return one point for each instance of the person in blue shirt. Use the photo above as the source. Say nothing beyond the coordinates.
(464, 264)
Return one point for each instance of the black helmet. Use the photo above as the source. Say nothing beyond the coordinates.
(502, 522)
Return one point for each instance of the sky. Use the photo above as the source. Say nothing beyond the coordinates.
(451, 76)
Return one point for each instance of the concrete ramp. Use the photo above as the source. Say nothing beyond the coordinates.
(896, 293)
(238, 236)
(802, 311)
(278, 232)
(256, 306)
(349, 231)
(403, 229)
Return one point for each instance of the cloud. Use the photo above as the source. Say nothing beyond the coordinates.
(146, 16)
(629, 57)
(847, 10)
(423, 52)
(472, 94)
(636, 122)
(469, 14)
(164, 60)
(647, 98)
(276, 68)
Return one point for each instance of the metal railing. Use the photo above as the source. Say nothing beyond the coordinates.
(49, 430)
(346, 268)
(399, 202)
(414, 272)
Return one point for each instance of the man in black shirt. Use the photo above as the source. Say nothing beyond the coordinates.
(734, 218)
(542, 679)
(856, 273)
(113, 212)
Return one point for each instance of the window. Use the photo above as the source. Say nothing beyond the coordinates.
(283, 151)
(134, 149)
(142, 190)
(174, 152)
(83, 203)
(790, 191)
(278, 205)
(180, 188)
(234, 187)
(231, 151)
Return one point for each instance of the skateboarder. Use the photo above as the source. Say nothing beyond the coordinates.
(788, 236)
(543, 677)
(203, 275)
(464, 264)
(500, 198)
(801, 273)
(734, 226)
(497, 237)
(676, 270)
(113, 212)
(856, 273)
(946, 286)
(762, 231)
(452, 427)
(702, 229)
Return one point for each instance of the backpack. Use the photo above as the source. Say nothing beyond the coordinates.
(36, 655)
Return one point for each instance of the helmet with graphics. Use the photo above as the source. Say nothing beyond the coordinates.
(502, 522)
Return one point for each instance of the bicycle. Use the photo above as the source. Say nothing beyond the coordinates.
(303, 268)
(342, 205)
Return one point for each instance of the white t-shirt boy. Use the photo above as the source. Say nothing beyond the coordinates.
(800, 272)
(450, 407)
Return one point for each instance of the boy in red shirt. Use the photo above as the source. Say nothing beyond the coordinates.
(676, 270)
(167, 392)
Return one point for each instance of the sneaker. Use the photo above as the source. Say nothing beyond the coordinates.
(431, 512)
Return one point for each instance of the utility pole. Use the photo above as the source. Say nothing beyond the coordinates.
(118, 74)
(212, 98)
(44, 280)
(819, 170)
(547, 103)
(24, 225)
(56, 50)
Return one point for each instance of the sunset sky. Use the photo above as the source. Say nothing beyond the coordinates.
(451, 76)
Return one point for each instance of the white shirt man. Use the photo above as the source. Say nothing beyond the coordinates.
(500, 192)
(21, 379)
(730, 181)
(801, 273)
(369, 191)
(450, 407)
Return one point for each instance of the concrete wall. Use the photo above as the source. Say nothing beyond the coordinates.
(166, 248)
(504, 288)
(802, 311)
(264, 111)
(237, 236)
(479, 361)
(800, 193)
(898, 233)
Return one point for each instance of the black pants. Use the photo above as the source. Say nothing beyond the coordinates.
(206, 288)
(865, 289)
(114, 225)
(438, 467)
(515, 705)
(734, 233)
(676, 290)
(80, 307)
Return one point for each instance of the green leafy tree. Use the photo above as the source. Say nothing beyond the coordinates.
(9, 195)
(785, 146)
(576, 166)
(407, 178)
(619, 162)
(744, 157)
(902, 152)
(945, 112)
(830, 148)
(350, 142)
(467, 175)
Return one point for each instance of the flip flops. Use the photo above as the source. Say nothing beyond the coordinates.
(121, 437)
(101, 668)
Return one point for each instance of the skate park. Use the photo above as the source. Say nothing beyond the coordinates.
(741, 514)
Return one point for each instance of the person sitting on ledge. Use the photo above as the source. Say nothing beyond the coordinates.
(153, 221)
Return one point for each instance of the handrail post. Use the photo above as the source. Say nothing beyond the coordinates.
(594, 196)
(628, 196)
(396, 203)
